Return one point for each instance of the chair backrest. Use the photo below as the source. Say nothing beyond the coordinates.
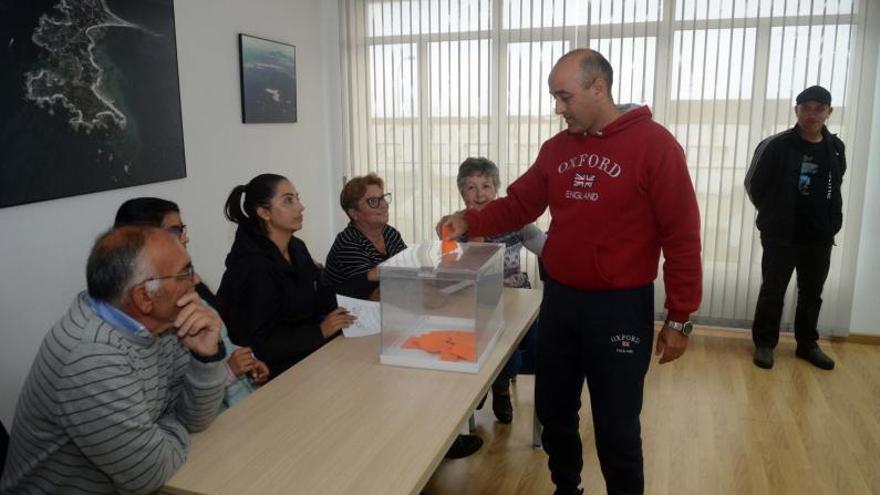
(4, 445)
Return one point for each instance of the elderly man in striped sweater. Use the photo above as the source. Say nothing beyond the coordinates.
(122, 379)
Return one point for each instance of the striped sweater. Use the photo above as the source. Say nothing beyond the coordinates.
(106, 410)
(353, 255)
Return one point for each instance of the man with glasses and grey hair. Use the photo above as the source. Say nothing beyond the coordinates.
(118, 384)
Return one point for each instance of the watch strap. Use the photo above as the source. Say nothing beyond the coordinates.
(674, 325)
(685, 328)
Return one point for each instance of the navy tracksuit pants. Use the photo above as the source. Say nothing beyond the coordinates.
(604, 338)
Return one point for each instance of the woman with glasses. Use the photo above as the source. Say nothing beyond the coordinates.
(271, 296)
(352, 264)
(367, 241)
(243, 370)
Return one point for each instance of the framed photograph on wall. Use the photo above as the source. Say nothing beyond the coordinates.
(89, 98)
(268, 80)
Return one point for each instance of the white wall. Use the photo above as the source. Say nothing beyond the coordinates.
(43, 246)
(866, 311)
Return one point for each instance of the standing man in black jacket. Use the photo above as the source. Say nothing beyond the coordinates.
(794, 182)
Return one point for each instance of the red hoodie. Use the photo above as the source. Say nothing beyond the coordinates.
(616, 199)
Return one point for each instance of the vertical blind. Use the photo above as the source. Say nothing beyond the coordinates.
(429, 83)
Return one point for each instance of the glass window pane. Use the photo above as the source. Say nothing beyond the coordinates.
(393, 71)
(738, 9)
(518, 14)
(808, 55)
(528, 66)
(405, 17)
(808, 7)
(460, 77)
(713, 64)
(633, 61)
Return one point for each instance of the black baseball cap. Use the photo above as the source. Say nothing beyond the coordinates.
(814, 93)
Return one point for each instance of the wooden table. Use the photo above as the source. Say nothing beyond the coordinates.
(340, 423)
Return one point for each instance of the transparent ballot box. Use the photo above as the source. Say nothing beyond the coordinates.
(442, 312)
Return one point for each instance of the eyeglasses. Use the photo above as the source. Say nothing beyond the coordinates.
(176, 230)
(187, 275)
(376, 200)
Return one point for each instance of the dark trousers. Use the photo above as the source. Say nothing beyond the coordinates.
(811, 263)
(510, 370)
(517, 363)
(529, 347)
(605, 338)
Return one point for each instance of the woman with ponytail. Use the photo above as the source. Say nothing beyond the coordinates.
(271, 296)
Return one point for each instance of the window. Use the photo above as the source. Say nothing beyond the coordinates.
(431, 82)
(713, 64)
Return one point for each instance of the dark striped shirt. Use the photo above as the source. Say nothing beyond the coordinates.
(353, 255)
(107, 411)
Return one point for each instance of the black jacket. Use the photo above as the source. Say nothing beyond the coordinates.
(772, 183)
(270, 305)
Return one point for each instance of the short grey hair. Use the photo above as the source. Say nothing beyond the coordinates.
(479, 166)
(118, 262)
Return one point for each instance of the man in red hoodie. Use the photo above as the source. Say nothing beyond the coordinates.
(618, 189)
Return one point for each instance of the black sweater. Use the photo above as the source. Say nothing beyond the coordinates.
(270, 305)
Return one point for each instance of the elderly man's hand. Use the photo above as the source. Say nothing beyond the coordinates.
(198, 326)
(455, 224)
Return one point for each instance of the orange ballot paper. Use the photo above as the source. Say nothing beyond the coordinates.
(452, 345)
(450, 245)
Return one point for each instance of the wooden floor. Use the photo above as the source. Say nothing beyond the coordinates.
(712, 423)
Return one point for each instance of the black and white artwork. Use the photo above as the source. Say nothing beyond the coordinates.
(89, 97)
(268, 80)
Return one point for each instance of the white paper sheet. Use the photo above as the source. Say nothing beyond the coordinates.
(368, 314)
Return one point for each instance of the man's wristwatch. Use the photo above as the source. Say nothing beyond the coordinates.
(685, 328)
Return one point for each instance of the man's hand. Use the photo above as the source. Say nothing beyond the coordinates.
(457, 227)
(338, 319)
(671, 344)
(198, 326)
(373, 274)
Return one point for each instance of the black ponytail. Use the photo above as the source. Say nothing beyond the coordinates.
(243, 201)
(232, 210)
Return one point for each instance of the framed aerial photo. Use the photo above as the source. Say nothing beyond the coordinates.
(268, 80)
(89, 97)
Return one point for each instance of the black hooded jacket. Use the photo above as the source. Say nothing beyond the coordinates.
(772, 184)
(270, 305)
